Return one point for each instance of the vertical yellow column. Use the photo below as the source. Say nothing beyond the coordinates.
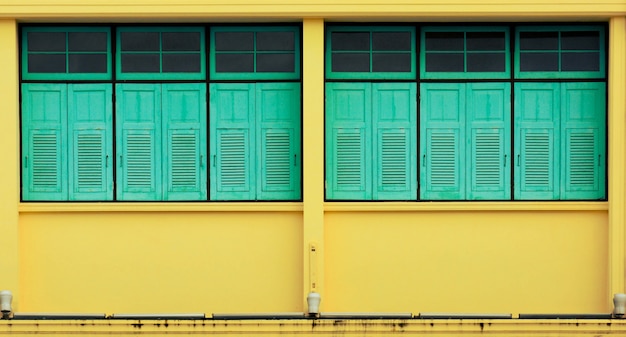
(9, 170)
(617, 153)
(313, 149)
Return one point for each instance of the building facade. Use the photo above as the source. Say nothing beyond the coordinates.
(451, 168)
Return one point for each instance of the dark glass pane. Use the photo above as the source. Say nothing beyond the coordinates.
(234, 41)
(539, 41)
(394, 41)
(440, 41)
(351, 62)
(275, 41)
(580, 40)
(391, 62)
(46, 41)
(539, 62)
(140, 41)
(141, 63)
(96, 41)
(88, 63)
(580, 61)
(187, 41)
(46, 63)
(486, 62)
(477, 41)
(181, 63)
(234, 63)
(439, 62)
(268, 63)
(350, 41)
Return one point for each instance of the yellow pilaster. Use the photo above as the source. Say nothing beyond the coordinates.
(9, 176)
(616, 146)
(313, 149)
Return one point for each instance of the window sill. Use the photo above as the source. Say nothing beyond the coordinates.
(466, 206)
(39, 207)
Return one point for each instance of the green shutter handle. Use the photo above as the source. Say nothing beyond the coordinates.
(121, 162)
(295, 160)
(26, 162)
(106, 161)
(518, 160)
(599, 160)
(214, 160)
(505, 160)
(201, 161)
(424, 161)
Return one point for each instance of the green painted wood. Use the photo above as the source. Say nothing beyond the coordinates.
(583, 141)
(394, 130)
(138, 142)
(442, 145)
(349, 141)
(232, 133)
(184, 152)
(488, 141)
(90, 130)
(537, 141)
(278, 144)
(44, 142)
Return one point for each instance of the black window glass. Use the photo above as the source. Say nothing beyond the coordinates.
(350, 62)
(141, 63)
(580, 40)
(87, 42)
(275, 41)
(88, 63)
(234, 41)
(234, 63)
(46, 42)
(140, 41)
(486, 62)
(539, 61)
(539, 41)
(444, 41)
(275, 63)
(181, 63)
(185, 41)
(391, 62)
(46, 63)
(353, 41)
(580, 61)
(479, 41)
(392, 41)
(445, 62)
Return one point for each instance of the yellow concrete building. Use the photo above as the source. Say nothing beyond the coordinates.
(507, 262)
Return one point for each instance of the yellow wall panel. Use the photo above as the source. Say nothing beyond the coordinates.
(160, 262)
(528, 262)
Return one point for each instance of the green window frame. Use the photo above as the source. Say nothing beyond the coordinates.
(76, 49)
(267, 51)
(376, 50)
(559, 45)
(466, 48)
(173, 52)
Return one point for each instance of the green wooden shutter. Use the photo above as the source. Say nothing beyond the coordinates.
(394, 126)
(489, 128)
(583, 150)
(138, 124)
(278, 141)
(232, 132)
(44, 142)
(442, 140)
(537, 118)
(90, 118)
(348, 141)
(184, 133)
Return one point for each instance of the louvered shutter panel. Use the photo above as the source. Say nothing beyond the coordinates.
(278, 141)
(232, 132)
(184, 150)
(583, 141)
(537, 118)
(394, 127)
(348, 141)
(489, 127)
(138, 120)
(90, 117)
(44, 137)
(442, 139)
